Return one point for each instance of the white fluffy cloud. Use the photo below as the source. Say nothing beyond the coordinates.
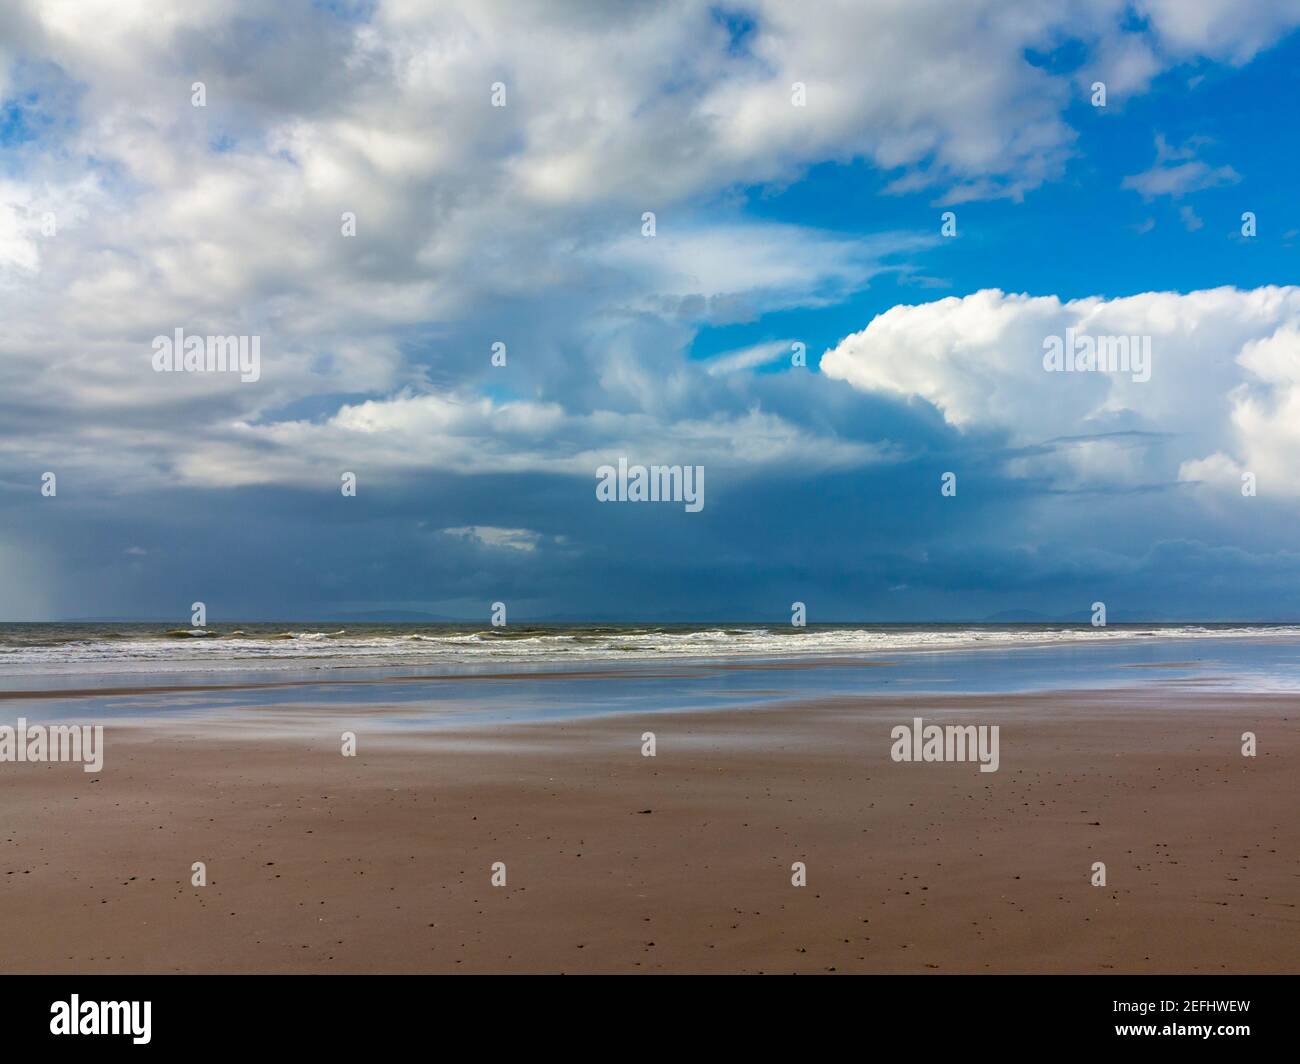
(383, 439)
(1221, 29)
(1223, 395)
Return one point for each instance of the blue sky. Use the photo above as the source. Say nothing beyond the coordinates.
(1082, 235)
(127, 212)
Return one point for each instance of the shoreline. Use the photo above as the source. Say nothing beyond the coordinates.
(571, 661)
(681, 862)
(253, 675)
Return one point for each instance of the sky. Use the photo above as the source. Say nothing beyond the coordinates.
(655, 209)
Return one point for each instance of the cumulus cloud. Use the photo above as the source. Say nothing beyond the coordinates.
(1223, 392)
(385, 439)
(1221, 29)
(477, 223)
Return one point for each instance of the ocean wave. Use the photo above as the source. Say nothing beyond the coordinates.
(68, 648)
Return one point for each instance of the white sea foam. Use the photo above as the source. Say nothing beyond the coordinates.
(246, 648)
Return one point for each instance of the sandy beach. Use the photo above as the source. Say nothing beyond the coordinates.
(681, 862)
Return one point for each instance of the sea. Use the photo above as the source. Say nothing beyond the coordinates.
(473, 673)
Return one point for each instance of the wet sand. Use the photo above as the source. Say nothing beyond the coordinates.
(617, 862)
